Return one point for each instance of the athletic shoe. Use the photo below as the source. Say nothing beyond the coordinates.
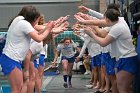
(70, 85)
(87, 73)
(89, 86)
(65, 85)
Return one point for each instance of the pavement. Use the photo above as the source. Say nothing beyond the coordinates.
(54, 84)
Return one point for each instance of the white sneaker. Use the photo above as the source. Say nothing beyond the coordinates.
(89, 86)
(87, 73)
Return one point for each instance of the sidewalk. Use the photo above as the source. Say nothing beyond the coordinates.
(78, 82)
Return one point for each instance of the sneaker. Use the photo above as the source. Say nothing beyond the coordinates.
(87, 73)
(89, 86)
(65, 85)
(70, 85)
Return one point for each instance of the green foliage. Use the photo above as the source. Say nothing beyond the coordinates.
(134, 41)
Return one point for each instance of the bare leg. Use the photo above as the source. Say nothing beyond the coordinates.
(98, 77)
(92, 77)
(107, 86)
(86, 65)
(113, 83)
(102, 78)
(126, 77)
(70, 66)
(17, 87)
(65, 67)
(95, 76)
(31, 84)
(37, 82)
(65, 72)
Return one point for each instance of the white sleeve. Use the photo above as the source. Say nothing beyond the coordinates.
(73, 44)
(26, 26)
(115, 32)
(46, 50)
(84, 47)
(107, 29)
(96, 14)
(81, 37)
(58, 48)
(34, 49)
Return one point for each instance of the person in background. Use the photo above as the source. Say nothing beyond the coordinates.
(86, 59)
(66, 48)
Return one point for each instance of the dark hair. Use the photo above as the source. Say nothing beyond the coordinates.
(113, 6)
(86, 51)
(67, 38)
(112, 15)
(30, 13)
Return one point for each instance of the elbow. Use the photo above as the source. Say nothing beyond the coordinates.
(103, 44)
(38, 40)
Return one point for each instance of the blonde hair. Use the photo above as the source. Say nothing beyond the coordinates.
(41, 20)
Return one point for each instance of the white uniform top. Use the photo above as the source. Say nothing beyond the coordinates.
(96, 14)
(35, 48)
(18, 40)
(67, 51)
(100, 16)
(45, 50)
(93, 47)
(108, 47)
(122, 46)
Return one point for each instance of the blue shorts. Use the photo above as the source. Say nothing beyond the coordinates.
(41, 59)
(104, 58)
(129, 64)
(9, 64)
(35, 64)
(110, 65)
(70, 60)
(96, 61)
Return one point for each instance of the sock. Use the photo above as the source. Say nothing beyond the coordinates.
(70, 78)
(65, 78)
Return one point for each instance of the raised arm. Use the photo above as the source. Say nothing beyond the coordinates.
(101, 22)
(39, 37)
(56, 56)
(87, 40)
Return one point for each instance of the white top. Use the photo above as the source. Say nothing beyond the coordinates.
(108, 47)
(35, 48)
(122, 46)
(93, 47)
(18, 40)
(96, 14)
(67, 51)
(45, 50)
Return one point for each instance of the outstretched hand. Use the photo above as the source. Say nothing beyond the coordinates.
(83, 8)
(49, 26)
(80, 19)
(61, 20)
(60, 28)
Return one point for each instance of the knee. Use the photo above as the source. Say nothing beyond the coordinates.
(65, 68)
